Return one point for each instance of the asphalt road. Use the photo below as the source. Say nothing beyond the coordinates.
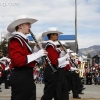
(92, 92)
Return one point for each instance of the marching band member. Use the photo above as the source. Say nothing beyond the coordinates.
(69, 77)
(22, 59)
(61, 87)
(51, 80)
(76, 75)
(5, 72)
(0, 77)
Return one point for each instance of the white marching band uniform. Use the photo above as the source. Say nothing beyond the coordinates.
(4, 60)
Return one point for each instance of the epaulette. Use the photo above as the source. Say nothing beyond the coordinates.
(22, 39)
(49, 44)
(18, 38)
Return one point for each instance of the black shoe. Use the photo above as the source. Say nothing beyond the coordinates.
(0, 90)
(80, 93)
(77, 97)
(7, 88)
(83, 88)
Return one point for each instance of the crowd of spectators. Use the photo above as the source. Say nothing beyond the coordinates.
(92, 75)
(38, 74)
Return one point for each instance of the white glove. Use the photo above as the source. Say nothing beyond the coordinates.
(73, 68)
(7, 68)
(67, 56)
(35, 56)
(37, 60)
(63, 59)
(64, 64)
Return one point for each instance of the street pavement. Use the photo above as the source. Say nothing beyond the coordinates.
(92, 92)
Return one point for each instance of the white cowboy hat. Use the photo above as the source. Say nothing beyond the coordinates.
(3, 58)
(19, 20)
(57, 43)
(70, 51)
(74, 54)
(51, 30)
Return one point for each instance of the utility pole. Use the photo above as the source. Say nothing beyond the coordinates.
(0, 37)
(76, 25)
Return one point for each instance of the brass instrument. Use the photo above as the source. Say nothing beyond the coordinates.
(80, 71)
(77, 71)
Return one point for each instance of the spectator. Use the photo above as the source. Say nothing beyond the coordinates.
(88, 78)
(97, 78)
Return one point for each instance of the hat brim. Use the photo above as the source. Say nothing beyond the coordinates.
(71, 51)
(49, 32)
(11, 27)
(3, 58)
(74, 54)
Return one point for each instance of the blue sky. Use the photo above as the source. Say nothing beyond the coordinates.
(57, 13)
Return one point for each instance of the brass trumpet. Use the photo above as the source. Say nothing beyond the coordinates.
(77, 71)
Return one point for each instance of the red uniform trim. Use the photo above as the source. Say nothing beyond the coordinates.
(3, 66)
(68, 66)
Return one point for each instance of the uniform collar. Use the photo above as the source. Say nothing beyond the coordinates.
(21, 34)
(50, 41)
